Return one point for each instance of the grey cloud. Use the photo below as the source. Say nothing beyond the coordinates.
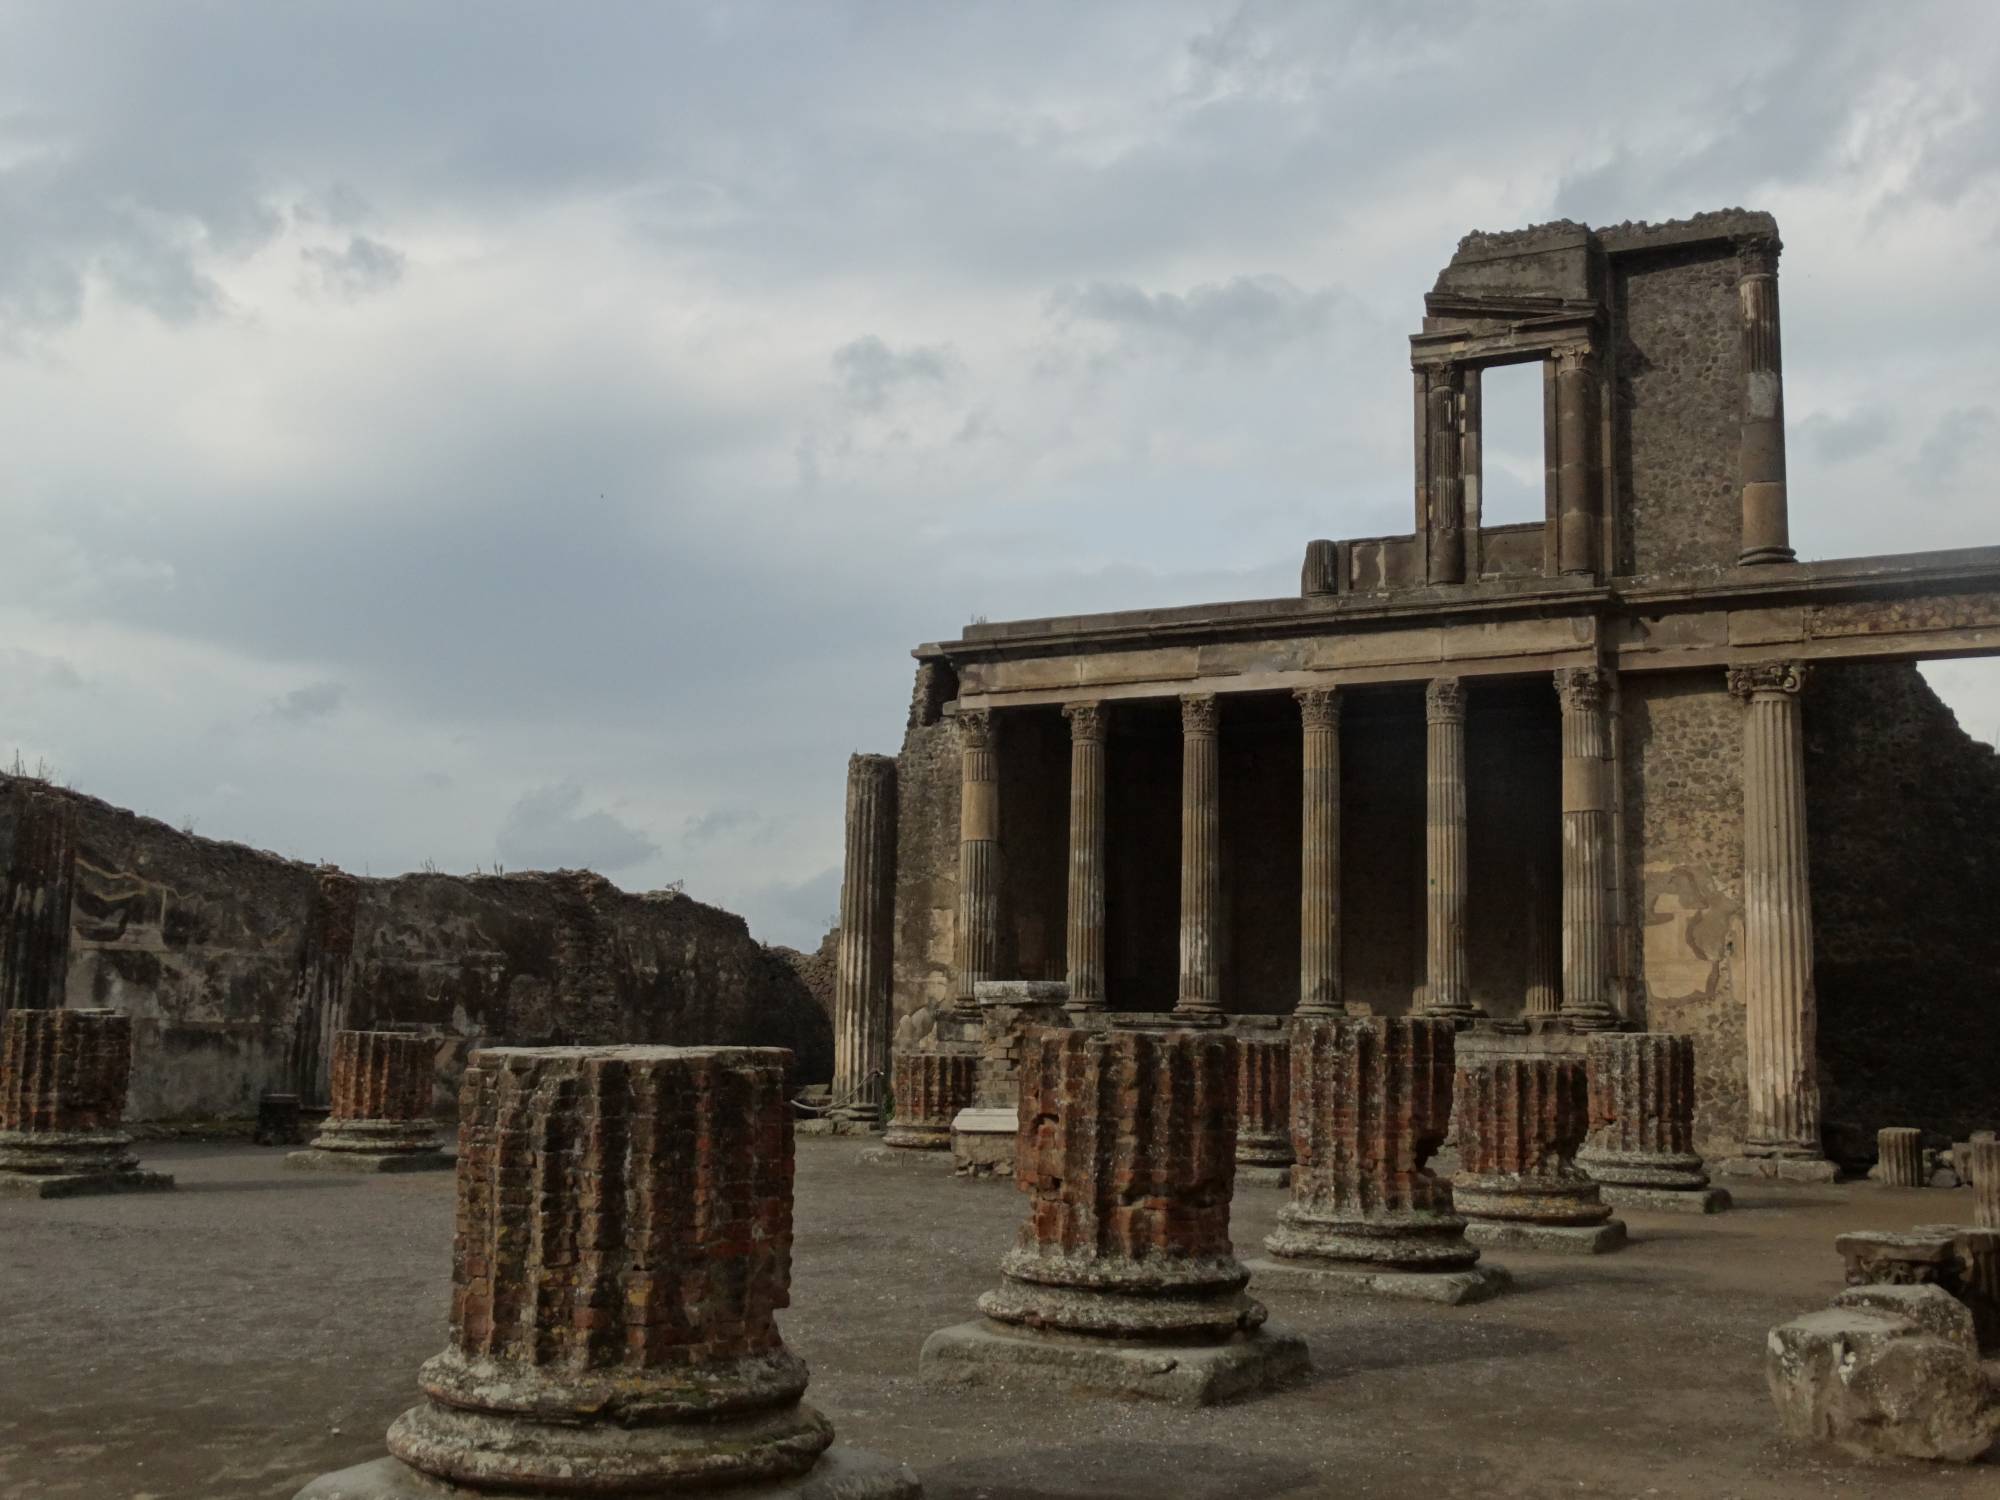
(1244, 317)
(721, 823)
(1958, 434)
(317, 700)
(548, 829)
(364, 266)
(795, 913)
(870, 371)
(1852, 435)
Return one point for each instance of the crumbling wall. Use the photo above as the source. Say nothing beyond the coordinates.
(1902, 808)
(1683, 790)
(1677, 396)
(818, 969)
(927, 776)
(237, 966)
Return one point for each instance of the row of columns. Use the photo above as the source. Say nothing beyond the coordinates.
(1776, 971)
(1587, 941)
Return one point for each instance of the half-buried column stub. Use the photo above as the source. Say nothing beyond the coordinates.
(1899, 1157)
(861, 1018)
(1123, 1278)
(383, 1118)
(931, 1088)
(1640, 1150)
(1371, 1101)
(1263, 1105)
(1520, 1122)
(63, 1079)
(623, 1242)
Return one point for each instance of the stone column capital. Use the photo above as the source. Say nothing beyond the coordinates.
(876, 770)
(1576, 358)
(1582, 689)
(1444, 700)
(1319, 706)
(1087, 720)
(1767, 679)
(1757, 255)
(1198, 713)
(975, 728)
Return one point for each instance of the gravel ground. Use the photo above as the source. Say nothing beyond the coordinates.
(259, 1326)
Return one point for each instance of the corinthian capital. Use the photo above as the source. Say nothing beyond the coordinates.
(1581, 689)
(1444, 700)
(1198, 713)
(1086, 721)
(1767, 677)
(975, 728)
(1319, 707)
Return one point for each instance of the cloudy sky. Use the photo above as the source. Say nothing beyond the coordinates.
(537, 434)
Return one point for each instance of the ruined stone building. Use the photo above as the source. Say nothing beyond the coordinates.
(238, 967)
(1633, 764)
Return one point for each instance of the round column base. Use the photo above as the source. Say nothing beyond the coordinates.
(377, 1137)
(1183, 1299)
(1408, 1239)
(1569, 1198)
(918, 1135)
(1645, 1169)
(66, 1153)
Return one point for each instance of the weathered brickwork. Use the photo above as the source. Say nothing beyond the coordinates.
(624, 1239)
(1264, 1102)
(64, 1070)
(382, 1075)
(1642, 1094)
(1520, 1121)
(930, 1088)
(238, 967)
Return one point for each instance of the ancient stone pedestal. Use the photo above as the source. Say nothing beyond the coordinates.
(931, 1088)
(1520, 1122)
(1978, 1276)
(1263, 1110)
(624, 1239)
(1983, 1160)
(383, 1082)
(1122, 1278)
(1899, 1156)
(63, 1076)
(1371, 1099)
(1640, 1150)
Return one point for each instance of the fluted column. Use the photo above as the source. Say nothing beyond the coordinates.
(867, 920)
(1576, 462)
(1983, 1171)
(1319, 861)
(383, 1117)
(63, 1079)
(1086, 855)
(1544, 944)
(1780, 1023)
(1447, 476)
(1449, 991)
(1201, 859)
(1641, 1143)
(978, 857)
(1586, 850)
(1766, 524)
(1520, 1121)
(1899, 1156)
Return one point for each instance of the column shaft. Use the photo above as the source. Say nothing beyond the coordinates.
(978, 857)
(1576, 469)
(1447, 477)
(1086, 855)
(1201, 859)
(867, 917)
(1766, 523)
(1448, 993)
(1586, 850)
(1319, 855)
(1779, 1021)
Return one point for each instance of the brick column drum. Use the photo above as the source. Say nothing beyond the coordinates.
(931, 1088)
(1520, 1122)
(1899, 1157)
(1371, 1100)
(1780, 1014)
(383, 1118)
(1640, 1150)
(624, 1239)
(867, 931)
(1122, 1276)
(63, 1077)
(1263, 1109)
(1448, 992)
